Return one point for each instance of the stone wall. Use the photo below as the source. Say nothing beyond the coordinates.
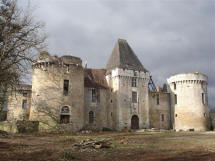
(16, 110)
(159, 103)
(19, 126)
(124, 109)
(99, 109)
(9, 126)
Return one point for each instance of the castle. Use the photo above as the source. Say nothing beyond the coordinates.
(66, 95)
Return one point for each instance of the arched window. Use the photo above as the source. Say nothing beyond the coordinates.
(65, 115)
(65, 110)
(91, 117)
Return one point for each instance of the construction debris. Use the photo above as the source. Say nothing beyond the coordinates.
(90, 143)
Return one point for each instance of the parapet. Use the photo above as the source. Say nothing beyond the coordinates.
(22, 87)
(67, 59)
(188, 77)
(45, 59)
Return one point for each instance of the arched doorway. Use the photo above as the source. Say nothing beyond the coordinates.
(65, 115)
(135, 122)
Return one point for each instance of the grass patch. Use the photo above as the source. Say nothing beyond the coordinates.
(68, 156)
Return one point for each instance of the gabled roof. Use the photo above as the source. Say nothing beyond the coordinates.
(95, 78)
(123, 57)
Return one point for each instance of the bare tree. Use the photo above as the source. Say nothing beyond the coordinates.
(20, 36)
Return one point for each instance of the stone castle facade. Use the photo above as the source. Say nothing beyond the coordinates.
(66, 95)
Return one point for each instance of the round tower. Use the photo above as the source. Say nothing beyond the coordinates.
(189, 101)
(58, 92)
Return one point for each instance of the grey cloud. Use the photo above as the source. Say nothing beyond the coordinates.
(168, 36)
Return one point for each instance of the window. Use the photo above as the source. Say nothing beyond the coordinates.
(25, 94)
(202, 85)
(134, 97)
(176, 101)
(205, 114)
(134, 82)
(91, 117)
(174, 86)
(65, 110)
(162, 117)
(135, 73)
(24, 104)
(203, 98)
(93, 95)
(176, 115)
(158, 99)
(65, 87)
(65, 115)
(64, 119)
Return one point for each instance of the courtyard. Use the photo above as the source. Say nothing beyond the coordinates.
(119, 146)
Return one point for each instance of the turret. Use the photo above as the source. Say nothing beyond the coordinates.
(189, 101)
(58, 92)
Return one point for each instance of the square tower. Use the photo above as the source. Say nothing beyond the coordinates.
(128, 80)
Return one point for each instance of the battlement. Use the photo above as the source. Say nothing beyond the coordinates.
(188, 78)
(63, 61)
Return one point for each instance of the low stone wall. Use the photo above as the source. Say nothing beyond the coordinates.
(19, 126)
(8, 126)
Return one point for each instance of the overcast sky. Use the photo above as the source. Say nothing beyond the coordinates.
(168, 36)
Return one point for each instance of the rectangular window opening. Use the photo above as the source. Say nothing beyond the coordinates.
(65, 87)
(24, 104)
(175, 86)
(158, 99)
(134, 82)
(93, 95)
(25, 94)
(203, 98)
(64, 119)
(134, 97)
(176, 101)
(162, 117)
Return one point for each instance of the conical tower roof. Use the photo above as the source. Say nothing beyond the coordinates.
(123, 57)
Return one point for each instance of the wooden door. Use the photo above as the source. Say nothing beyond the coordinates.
(134, 122)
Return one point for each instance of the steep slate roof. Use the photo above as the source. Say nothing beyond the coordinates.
(123, 57)
(95, 78)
